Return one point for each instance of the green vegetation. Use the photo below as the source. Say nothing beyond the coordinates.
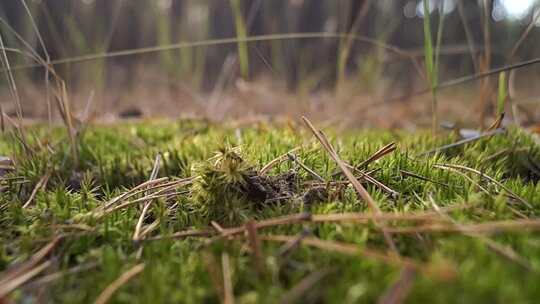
(461, 236)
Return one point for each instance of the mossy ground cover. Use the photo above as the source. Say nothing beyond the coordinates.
(214, 227)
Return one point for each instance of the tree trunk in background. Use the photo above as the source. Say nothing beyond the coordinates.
(221, 25)
(307, 55)
(54, 31)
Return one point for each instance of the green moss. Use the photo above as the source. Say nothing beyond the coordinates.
(115, 159)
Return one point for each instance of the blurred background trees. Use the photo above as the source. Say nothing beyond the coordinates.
(77, 27)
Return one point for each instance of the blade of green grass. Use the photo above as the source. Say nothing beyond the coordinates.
(241, 33)
(502, 94)
(430, 64)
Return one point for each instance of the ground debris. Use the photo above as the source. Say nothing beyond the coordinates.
(265, 189)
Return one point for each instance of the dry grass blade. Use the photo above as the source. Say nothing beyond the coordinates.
(20, 274)
(47, 57)
(505, 251)
(224, 41)
(391, 147)
(47, 279)
(348, 249)
(288, 247)
(364, 176)
(365, 218)
(11, 80)
(504, 152)
(149, 228)
(299, 290)
(7, 287)
(491, 179)
(346, 44)
(497, 123)
(277, 221)
(163, 190)
(472, 181)
(430, 217)
(2, 122)
(163, 193)
(411, 174)
(255, 246)
(153, 176)
(228, 295)
(295, 159)
(138, 227)
(393, 193)
(530, 27)
(464, 141)
(182, 235)
(14, 93)
(214, 272)
(135, 191)
(461, 80)
(276, 161)
(67, 116)
(16, 271)
(108, 292)
(468, 34)
(484, 228)
(42, 183)
(359, 188)
(397, 293)
(218, 227)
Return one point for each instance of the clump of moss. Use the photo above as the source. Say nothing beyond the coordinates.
(228, 188)
(221, 189)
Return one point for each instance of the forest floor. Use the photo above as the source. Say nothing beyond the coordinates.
(198, 212)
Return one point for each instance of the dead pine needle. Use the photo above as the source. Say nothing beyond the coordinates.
(359, 188)
(20, 274)
(276, 161)
(298, 291)
(397, 293)
(153, 175)
(108, 292)
(391, 147)
(347, 249)
(487, 177)
(255, 246)
(9, 286)
(480, 228)
(42, 183)
(462, 142)
(295, 159)
(502, 250)
(228, 294)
